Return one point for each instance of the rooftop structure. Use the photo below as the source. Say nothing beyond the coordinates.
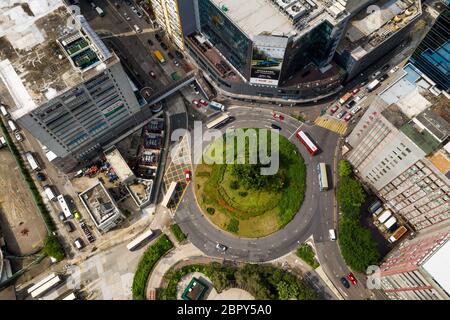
(369, 29)
(41, 57)
(119, 165)
(281, 17)
(195, 290)
(101, 207)
(437, 266)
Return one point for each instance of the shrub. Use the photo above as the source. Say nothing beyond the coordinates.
(243, 194)
(203, 174)
(234, 185)
(176, 230)
(350, 195)
(306, 253)
(146, 264)
(233, 225)
(210, 210)
(345, 169)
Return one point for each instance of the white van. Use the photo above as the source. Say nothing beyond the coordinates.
(332, 234)
(137, 29)
(78, 243)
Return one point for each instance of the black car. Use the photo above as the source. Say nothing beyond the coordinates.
(179, 54)
(384, 77)
(345, 283)
(164, 46)
(150, 42)
(275, 126)
(170, 55)
(157, 37)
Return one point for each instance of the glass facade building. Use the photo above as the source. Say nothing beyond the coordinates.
(432, 57)
(225, 36)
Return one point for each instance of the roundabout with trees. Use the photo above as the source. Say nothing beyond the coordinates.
(237, 198)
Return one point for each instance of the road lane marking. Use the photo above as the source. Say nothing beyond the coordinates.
(296, 130)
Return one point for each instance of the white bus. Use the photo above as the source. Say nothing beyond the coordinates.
(64, 207)
(141, 238)
(218, 121)
(41, 282)
(49, 192)
(323, 178)
(168, 196)
(32, 161)
(46, 286)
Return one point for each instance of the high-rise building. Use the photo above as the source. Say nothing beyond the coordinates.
(432, 57)
(398, 149)
(175, 17)
(67, 89)
(418, 269)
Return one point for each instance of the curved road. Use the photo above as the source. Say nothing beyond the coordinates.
(316, 216)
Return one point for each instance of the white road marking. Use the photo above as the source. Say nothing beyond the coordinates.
(295, 131)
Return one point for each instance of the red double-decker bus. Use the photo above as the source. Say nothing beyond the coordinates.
(310, 146)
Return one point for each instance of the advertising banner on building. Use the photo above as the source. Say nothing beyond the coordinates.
(267, 59)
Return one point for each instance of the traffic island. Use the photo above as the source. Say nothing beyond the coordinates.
(238, 199)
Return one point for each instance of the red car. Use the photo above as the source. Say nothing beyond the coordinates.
(188, 175)
(356, 91)
(348, 116)
(278, 116)
(203, 102)
(195, 102)
(351, 278)
(334, 109)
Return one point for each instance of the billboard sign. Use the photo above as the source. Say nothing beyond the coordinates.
(267, 59)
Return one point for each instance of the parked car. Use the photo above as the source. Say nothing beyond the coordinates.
(79, 244)
(348, 116)
(61, 216)
(356, 109)
(158, 37)
(126, 16)
(133, 9)
(275, 126)
(384, 77)
(18, 136)
(394, 69)
(355, 91)
(351, 104)
(345, 283)
(278, 116)
(221, 247)
(69, 226)
(171, 55)
(203, 102)
(150, 42)
(341, 114)
(352, 279)
(93, 5)
(188, 174)
(164, 46)
(334, 108)
(152, 74)
(41, 177)
(176, 63)
(179, 54)
(195, 102)
(139, 14)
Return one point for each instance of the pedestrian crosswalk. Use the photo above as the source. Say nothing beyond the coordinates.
(332, 124)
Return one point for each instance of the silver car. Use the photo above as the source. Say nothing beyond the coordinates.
(221, 247)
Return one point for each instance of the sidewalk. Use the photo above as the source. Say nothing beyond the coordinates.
(178, 254)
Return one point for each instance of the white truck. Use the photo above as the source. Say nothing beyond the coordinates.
(373, 85)
(49, 192)
(2, 142)
(12, 126)
(100, 11)
(32, 161)
(217, 106)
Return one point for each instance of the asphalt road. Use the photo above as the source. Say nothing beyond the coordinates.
(316, 216)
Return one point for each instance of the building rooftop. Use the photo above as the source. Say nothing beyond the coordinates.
(119, 165)
(437, 266)
(437, 126)
(368, 29)
(281, 17)
(41, 57)
(422, 138)
(99, 203)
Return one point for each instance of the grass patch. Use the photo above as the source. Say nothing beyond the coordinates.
(176, 230)
(259, 210)
(146, 264)
(306, 253)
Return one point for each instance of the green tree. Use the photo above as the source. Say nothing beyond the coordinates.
(350, 195)
(345, 169)
(358, 248)
(53, 248)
